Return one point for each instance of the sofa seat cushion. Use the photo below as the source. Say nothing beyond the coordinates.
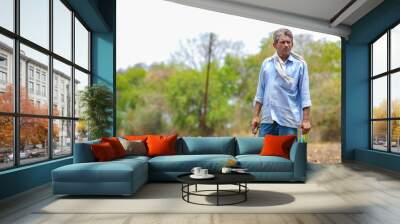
(185, 163)
(112, 171)
(257, 163)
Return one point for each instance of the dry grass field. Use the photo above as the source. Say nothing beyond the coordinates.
(324, 152)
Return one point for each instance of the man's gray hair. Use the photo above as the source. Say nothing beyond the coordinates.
(278, 33)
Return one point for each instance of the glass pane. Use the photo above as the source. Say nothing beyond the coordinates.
(379, 135)
(33, 139)
(6, 142)
(81, 131)
(6, 74)
(395, 136)
(62, 138)
(34, 81)
(62, 29)
(81, 81)
(62, 89)
(35, 21)
(7, 14)
(81, 45)
(379, 55)
(379, 98)
(395, 47)
(395, 94)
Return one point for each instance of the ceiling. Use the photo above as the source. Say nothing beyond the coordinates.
(327, 16)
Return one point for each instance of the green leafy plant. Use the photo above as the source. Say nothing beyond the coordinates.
(96, 102)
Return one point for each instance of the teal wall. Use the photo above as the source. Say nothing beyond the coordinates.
(355, 85)
(99, 16)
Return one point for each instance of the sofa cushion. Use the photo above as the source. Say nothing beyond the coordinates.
(257, 163)
(134, 147)
(103, 151)
(277, 145)
(185, 163)
(159, 145)
(249, 145)
(112, 171)
(207, 145)
(116, 145)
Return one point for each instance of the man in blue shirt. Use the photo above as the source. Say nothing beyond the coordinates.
(283, 96)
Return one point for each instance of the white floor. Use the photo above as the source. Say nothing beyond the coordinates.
(377, 189)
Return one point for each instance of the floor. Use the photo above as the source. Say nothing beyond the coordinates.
(378, 188)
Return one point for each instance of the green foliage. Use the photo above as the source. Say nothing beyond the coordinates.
(96, 102)
(168, 97)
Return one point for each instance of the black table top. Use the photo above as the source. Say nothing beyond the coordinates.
(220, 178)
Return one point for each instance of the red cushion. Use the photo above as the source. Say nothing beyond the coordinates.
(159, 145)
(103, 151)
(116, 145)
(277, 145)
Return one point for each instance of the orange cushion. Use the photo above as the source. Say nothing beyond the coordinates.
(277, 145)
(103, 151)
(116, 145)
(136, 137)
(159, 145)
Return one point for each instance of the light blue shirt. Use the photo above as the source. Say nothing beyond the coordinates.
(281, 101)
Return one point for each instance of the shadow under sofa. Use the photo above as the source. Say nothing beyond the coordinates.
(126, 175)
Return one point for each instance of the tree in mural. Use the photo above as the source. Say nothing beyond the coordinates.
(33, 130)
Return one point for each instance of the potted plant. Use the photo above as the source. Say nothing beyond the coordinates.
(96, 102)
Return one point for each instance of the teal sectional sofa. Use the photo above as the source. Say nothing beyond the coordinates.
(125, 176)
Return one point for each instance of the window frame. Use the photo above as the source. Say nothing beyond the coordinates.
(16, 114)
(388, 74)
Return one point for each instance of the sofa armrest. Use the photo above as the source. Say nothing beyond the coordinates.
(298, 155)
(83, 152)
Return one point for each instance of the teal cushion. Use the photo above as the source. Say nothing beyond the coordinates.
(111, 171)
(249, 145)
(185, 163)
(83, 153)
(257, 163)
(208, 145)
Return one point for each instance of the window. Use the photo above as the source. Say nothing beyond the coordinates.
(30, 87)
(3, 72)
(30, 72)
(6, 73)
(38, 89)
(43, 90)
(81, 45)
(54, 125)
(35, 21)
(37, 75)
(7, 14)
(385, 96)
(3, 61)
(3, 78)
(62, 29)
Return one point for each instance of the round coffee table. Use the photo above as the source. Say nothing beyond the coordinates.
(238, 179)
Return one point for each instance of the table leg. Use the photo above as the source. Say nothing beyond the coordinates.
(245, 193)
(217, 194)
(196, 188)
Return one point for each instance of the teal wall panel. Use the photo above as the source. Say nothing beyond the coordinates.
(24, 178)
(355, 88)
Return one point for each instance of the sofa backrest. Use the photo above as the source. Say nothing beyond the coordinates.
(206, 145)
(249, 145)
(83, 152)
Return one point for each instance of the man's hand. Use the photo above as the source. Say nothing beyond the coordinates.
(255, 124)
(305, 126)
